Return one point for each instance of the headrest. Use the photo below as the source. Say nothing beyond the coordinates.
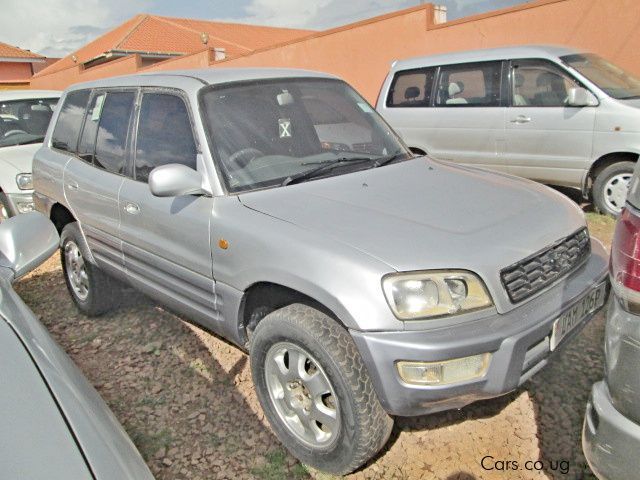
(411, 93)
(519, 80)
(455, 88)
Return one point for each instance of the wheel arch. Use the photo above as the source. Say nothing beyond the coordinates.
(603, 162)
(60, 216)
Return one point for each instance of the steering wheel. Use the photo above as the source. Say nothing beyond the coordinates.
(242, 157)
(14, 132)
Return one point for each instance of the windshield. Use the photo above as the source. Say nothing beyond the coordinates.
(613, 80)
(25, 121)
(267, 133)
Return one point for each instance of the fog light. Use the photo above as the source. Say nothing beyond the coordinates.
(444, 372)
(24, 207)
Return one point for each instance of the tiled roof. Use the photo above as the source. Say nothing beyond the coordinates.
(155, 34)
(9, 51)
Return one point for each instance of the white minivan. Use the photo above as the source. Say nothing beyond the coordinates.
(24, 118)
(551, 114)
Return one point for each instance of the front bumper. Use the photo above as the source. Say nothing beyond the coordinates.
(519, 341)
(610, 441)
(19, 203)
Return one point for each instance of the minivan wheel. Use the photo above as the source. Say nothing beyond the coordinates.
(315, 390)
(611, 186)
(93, 292)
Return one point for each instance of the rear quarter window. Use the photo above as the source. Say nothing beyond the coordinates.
(65, 133)
(411, 88)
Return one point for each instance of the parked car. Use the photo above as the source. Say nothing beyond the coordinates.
(551, 114)
(24, 118)
(611, 432)
(278, 210)
(55, 425)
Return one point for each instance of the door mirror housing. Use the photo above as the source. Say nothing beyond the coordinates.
(174, 180)
(581, 97)
(26, 241)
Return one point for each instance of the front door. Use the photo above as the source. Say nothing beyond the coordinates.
(546, 140)
(165, 241)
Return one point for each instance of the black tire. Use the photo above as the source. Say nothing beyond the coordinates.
(599, 189)
(364, 425)
(104, 292)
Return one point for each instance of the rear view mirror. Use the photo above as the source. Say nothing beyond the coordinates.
(174, 180)
(26, 241)
(581, 97)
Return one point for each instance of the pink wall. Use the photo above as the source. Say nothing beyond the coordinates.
(361, 53)
(15, 71)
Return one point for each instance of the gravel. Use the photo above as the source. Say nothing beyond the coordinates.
(186, 399)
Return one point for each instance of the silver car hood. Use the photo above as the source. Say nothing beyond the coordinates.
(633, 102)
(426, 214)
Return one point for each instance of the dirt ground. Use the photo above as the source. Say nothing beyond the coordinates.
(187, 401)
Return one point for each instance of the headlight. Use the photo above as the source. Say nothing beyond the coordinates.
(24, 181)
(434, 293)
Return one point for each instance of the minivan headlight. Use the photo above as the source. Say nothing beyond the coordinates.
(24, 181)
(435, 293)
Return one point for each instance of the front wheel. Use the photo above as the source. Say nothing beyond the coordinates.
(315, 390)
(610, 188)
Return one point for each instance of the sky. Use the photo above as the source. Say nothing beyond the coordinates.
(58, 27)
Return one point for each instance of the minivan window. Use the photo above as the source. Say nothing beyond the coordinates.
(266, 132)
(470, 85)
(113, 127)
(87, 142)
(65, 134)
(411, 88)
(164, 134)
(25, 121)
(539, 83)
(613, 80)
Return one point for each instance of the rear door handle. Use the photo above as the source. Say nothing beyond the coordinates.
(521, 119)
(132, 209)
(72, 186)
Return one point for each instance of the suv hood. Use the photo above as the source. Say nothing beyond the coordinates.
(19, 157)
(425, 214)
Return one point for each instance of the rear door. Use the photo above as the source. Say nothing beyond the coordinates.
(547, 141)
(166, 241)
(93, 177)
(466, 122)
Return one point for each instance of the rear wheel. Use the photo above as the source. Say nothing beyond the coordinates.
(93, 292)
(315, 390)
(611, 186)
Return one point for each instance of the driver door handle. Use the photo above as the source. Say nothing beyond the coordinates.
(132, 209)
(521, 119)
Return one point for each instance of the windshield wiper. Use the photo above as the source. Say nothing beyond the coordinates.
(388, 159)
(321, 168)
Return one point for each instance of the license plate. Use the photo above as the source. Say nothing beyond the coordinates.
(572, 317)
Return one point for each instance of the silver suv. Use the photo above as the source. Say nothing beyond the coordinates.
(277, 209)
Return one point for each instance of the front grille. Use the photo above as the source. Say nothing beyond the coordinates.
(527, 277)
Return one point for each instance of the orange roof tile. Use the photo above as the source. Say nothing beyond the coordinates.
(179, 36)
(9, 51)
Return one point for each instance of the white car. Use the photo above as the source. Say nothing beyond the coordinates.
(24, 119)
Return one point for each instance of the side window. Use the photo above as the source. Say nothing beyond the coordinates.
(65, 134)
(539, 83)
(411, 88)
(87, 142)
(470, 85)
(111, 140)
(164, 134)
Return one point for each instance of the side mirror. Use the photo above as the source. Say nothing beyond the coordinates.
(581, 97)
(26, 241)
(174, 180)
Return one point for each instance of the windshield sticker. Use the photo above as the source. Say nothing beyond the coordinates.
(364, 107)
(97, 110)
(284, 125)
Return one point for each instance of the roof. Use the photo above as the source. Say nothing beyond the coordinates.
(152, 34)
(9, 51)
(200, 77)
(523, 51)
(9, 95)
